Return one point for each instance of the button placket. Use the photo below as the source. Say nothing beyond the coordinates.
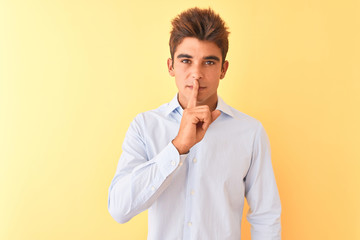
(190, 196)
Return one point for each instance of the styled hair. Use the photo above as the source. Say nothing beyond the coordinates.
(203, 24)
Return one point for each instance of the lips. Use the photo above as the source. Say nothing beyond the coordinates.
(200, 88)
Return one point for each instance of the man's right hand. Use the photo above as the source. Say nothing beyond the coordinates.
(194, 122)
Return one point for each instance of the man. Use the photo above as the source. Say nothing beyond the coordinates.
(192, 161)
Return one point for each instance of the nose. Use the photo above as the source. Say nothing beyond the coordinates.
(196, 72)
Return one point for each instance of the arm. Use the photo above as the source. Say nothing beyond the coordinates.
(261, 192)
(138, 182)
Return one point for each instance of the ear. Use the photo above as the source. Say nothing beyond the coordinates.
(170, 67)
(224, 69)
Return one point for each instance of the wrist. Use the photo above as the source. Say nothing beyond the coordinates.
(182, 149)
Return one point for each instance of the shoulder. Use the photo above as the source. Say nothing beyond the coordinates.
(243, 119)
(159, 112)
(235, 117)
(244, 125)
(153, 116)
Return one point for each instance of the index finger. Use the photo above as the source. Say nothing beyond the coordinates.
(193, 97)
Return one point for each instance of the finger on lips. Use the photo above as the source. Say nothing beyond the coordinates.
(201, 113)
(194, 94)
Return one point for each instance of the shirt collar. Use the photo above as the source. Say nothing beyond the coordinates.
(223, 107)
(174, 105)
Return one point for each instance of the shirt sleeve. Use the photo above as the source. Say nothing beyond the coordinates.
(261, 192)
(139, 181)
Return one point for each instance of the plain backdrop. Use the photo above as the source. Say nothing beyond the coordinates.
(74, 73)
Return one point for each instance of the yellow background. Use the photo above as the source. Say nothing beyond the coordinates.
(73, 74)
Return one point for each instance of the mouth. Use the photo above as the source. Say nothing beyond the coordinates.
(200, 88)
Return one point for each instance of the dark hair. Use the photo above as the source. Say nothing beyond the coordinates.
(203, 24)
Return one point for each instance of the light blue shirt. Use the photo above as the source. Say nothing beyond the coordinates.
(199, 195)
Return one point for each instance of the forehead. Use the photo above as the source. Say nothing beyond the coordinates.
(197, 48)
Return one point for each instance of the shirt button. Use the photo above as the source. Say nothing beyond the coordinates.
(189, 224)
(173, 163)
(194, 160)
(192, 192)
(153, 188)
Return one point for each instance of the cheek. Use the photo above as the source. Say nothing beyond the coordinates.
(180, 71)
(180, 75)
(180, 83)
(214, 76)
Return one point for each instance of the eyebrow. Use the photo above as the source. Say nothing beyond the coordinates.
(211, 57)
(183, 55)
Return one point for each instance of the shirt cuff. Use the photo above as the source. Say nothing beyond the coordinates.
(169, 159)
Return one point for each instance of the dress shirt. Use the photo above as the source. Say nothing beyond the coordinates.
(198, 195)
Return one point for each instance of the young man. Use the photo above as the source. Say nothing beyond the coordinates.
(192, 161)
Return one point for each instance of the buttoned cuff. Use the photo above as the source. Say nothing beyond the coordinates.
(169, 159)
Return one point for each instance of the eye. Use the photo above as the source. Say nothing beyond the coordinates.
(185, 61)
(209, 63)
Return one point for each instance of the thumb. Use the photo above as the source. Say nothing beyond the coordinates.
(215, 114)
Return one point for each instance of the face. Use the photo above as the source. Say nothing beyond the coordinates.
(197, 60)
